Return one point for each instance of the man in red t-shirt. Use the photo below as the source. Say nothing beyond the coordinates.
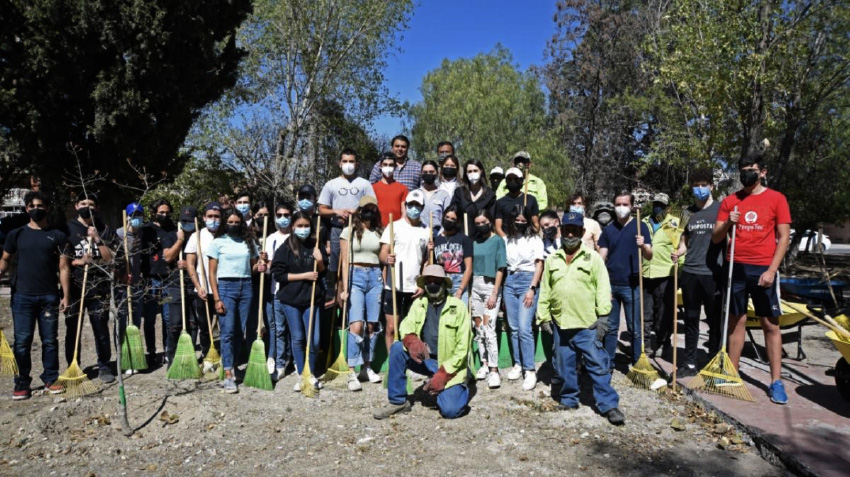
(390, 193)
(763, 229)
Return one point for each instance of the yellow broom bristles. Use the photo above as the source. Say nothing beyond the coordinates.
(8, 365)
(642, 373)
(212, 358)
(75, 382)
(720, 377)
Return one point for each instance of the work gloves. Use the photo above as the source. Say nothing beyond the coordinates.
(546, 326)
(438, 381)
(417, 350)
(601, 327)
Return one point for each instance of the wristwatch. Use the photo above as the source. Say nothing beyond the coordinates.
(533, 288)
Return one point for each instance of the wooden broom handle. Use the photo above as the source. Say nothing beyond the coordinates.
(127, 264)
(640, 285)
(263, 276)
(392, 282)
(83, 300)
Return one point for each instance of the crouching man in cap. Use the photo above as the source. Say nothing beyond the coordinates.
(436, 342)
(575, 293)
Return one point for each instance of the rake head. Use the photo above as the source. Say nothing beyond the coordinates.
(340, 365)
(8, 365)
(185, 365)
(257, 373)
(132, 351)
(75, 382)
(642, 373)
(720, 377)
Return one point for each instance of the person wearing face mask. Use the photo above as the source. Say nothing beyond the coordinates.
(449, 167)
(619, 246)
(85, 226)
(489, 262)
(436, 199)
(524, 252)
(292, 267)
(592, 231)
(603, 213)
(453, 251)
(762, 221)
(658, 290)
(473, 195)
(211, 229)
(243, 204)
(410, 236)
(536, 187)
(279, 350)
(574, 306)
(497, 175)
(701, 275)
(176, 308)
(408, 172)
(259, 213)
(506, 204)
(233, 258)
(43, 254)
(550, 223)
(389, 192)
(435, 341)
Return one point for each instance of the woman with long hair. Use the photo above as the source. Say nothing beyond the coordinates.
(453, 252)
(487, 275)
(279, 349)
(233, 258)
(473, 195)
(436, 199)
(449, 174)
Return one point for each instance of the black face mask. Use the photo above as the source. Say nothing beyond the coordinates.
(367, 215)
(37, 214)
(233, 230)
(450, 225)
(429, 178)
(514, 186)
(550, 232)
(521, 228)
(482, 229)
(163, 219)
(433, 288)
(85, 212)
(749, 178)
(450, 172)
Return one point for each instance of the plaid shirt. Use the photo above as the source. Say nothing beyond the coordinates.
(409, 175)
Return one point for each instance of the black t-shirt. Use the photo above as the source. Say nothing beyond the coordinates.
(506, 204)
(78, 238)
(165, 238)
(141, 244)
(38, 253)
(449, 252)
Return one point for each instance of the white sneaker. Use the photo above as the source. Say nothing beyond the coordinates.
(494, 380)
(316, 383)
(373, 376)
(354, 383)
(530, 381)
(130, 372)
(482, 372)
(297, 387)
(515, 373)
(278, 374)
(270, 364)
(208, 367)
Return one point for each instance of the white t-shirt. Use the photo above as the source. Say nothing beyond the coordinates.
(523, 252)
(273, 241)
(411, 245)
(192, 247)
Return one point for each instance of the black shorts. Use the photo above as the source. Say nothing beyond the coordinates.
(403, 302)
(745, 285)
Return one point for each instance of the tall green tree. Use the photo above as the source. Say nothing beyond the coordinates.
(109, 86)
(489, 109)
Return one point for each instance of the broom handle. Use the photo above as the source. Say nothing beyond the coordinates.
(827, 321)
(640, 285)
(182, 295)
(127, 265)
(82, 302)
(312, 300)
(349, 270)
(431, 235)
(263, 278)
(729, 283)
(203, 277)
(525, 191)
(675, 317)
(469, 286)
(392, 281)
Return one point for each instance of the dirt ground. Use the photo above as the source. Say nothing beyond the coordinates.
(508, 432)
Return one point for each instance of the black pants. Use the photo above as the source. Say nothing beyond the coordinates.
(658, 295)
(175, 319)
(200, 316)
(701, 291)
(97, 306)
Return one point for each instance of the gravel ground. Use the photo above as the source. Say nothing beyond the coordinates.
(188, 427)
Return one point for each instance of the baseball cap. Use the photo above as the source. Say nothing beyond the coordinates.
(188, 214)
(573, 218)
(135, 208)
(366, 200)
(497, 170)
(662, 198)
(307, 189)
(513, 171)
(522, 155)
(415, 196)
(87, 196)
(212, 206)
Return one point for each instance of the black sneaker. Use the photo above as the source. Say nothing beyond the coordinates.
(687, 371)
(21, 392)
(564, 407)
(615, 417)
(106, 375)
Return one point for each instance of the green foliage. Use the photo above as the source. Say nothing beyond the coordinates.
(202, 180)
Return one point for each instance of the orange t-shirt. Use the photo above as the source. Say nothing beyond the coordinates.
(390, 197)
(755, 234)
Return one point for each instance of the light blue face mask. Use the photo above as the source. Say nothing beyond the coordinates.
(578, 209)
(302, 233)
(212, 224)
(305, 204)
(243, 208)
(413, 212)
(283, 222)
(702, 193)
(136, 222)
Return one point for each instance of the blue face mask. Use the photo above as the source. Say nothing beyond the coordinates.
(302, 233)
(136, 222)
(212, 224)
(702, 193)
(305, 204)
(243, 208)
(578, 209)
(283, 222)
(187, 226)
(413, 212)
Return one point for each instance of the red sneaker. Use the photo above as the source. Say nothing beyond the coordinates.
(54, 388)
(21, 393)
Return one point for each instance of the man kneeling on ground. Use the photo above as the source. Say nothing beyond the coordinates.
(436, 341)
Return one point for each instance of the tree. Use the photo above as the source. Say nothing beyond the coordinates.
(489, 110)
(117, 84)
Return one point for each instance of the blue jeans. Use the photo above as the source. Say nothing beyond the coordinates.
(236, 294)
(626, 296)
(155, 301)
(520, 318)
(279, 347)
(120, 295)
(298, 321)
(457, 279)
(27, 310)
(365, 299)
(452, 401)
(565, 343)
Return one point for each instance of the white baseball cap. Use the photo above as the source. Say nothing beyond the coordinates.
(415, 196)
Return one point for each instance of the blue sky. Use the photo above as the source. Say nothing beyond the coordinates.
(463, 28)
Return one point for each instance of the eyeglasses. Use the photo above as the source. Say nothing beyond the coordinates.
(261, 216)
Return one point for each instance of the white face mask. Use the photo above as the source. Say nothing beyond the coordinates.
(623, 211)
(474, 177)
(578, 209)
(387, 171)
(348, 168)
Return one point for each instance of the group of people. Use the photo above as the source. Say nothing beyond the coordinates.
(429, 254)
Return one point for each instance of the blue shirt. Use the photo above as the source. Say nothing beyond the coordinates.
(233, 255)
(622, 262)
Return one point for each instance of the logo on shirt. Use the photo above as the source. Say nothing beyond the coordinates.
(751, 217)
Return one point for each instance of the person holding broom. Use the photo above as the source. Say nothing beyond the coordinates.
(436, 342)
(185, 234)
(203, 293)
(763, 229)
(279, 342)
(536, 186)
(43, 254)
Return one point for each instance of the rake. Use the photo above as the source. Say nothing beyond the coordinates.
(720, 376)
(185, 364)
(642, 373)
(675, 234)
(8, 365)
(212, 358)
(257, 373)
(74, 380)
(340, 365)
(307, 387)
(132, 351)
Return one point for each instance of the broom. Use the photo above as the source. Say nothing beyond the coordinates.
(8, 365)
(307, 387)
(675, 237)
(525, 189)
(257, 373)
(340, 365)
(212, 358)
(132, 351)
(330, 356)
(74, 380)
(185, 365)
(642, 373)
(720, 376)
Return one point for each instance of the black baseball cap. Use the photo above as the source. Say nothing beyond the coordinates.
(307, 190)
(188, 214)
(212, 206)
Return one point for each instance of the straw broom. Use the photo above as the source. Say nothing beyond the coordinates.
(132, 351)
(74, 380)
(212, 358)
(720, 376)
(8, 365)
(642, 373)
(307, 387)
(340, 365)
(185, 365)
(257, 373)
